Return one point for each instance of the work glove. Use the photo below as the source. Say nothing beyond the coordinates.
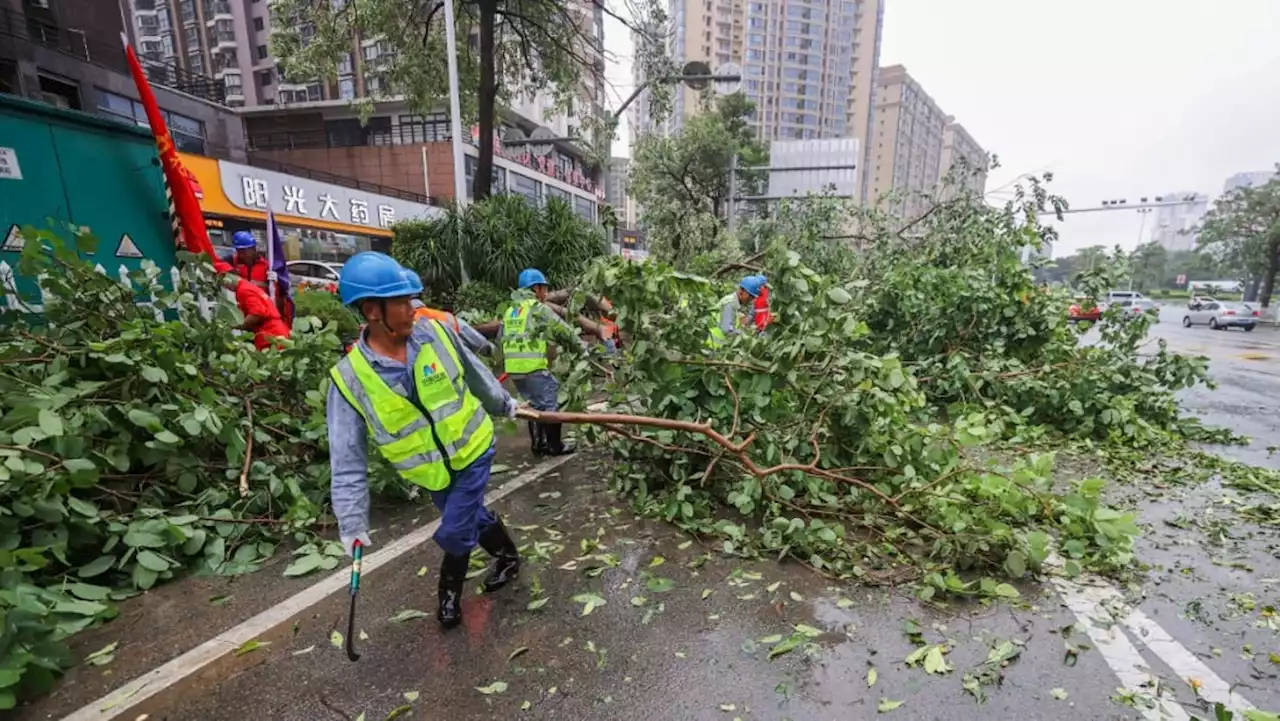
(510, 410)
(349, 542)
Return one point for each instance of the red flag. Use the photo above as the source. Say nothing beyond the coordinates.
(190, 218)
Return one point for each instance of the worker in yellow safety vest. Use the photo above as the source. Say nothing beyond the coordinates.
(526, 357)
(727, 318)
(424, 398)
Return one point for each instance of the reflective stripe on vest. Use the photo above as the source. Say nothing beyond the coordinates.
(521, 353)
(440, 317)
(399, 428)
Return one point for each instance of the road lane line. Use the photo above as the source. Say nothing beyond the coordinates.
(124, 701)
(1117, 650)
(1099, 600)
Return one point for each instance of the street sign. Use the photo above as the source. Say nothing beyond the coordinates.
(696, 68)
(728, 87)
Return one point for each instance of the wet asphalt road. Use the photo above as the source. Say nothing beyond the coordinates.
(684, 653)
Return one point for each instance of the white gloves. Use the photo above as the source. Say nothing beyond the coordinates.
(349, 542)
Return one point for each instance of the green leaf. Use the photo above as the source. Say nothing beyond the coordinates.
(656, 584)
(152, 561)
(304, 565)
(250, 647)
(411, 696)
(168, 437)
(83, 507)
(50, 423)
(839, 296)
(87, 591)
(1058, 693)
(872, 675)
(102, 656)
(79, 608)
(409, 614)
(887, 705)
(143, 539)
(154, 375)
(1004, 590)
(493, 688)
(145, 419)
(537, 603)
(934, 662)
(96, 567)
(336, 639)
(589, 601)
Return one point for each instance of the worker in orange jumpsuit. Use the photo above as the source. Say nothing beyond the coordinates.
(261, 316)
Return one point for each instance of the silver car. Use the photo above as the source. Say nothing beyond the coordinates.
(1221, 315)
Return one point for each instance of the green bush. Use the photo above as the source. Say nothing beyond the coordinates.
(328, 308)
(125, 433)
(497, 237)
(480, 299)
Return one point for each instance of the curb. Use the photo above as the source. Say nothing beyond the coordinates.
(142, 695)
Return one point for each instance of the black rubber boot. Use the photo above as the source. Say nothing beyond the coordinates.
(555, 445)
(453, 571)
(506, 565)
(537, 439)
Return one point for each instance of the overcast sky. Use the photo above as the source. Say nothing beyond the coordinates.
(1119, 98)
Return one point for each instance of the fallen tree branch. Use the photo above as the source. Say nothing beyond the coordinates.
(736, 449)
(248, 452)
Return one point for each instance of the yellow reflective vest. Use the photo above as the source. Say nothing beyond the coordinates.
(521, 352)
(718, 336)
(443, 429)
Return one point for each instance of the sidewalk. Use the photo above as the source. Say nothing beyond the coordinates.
(171, 619)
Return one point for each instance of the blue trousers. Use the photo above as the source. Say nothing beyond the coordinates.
(541, 390)
(463, 516)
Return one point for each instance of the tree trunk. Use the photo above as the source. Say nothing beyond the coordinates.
(480, 184)
(1269, 277)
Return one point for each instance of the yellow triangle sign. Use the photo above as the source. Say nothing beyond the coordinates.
(13, 240)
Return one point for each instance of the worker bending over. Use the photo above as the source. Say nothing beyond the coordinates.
(415, 388)
(728, 319)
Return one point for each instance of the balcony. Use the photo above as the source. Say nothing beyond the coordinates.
(15, 27)
(216, 11)
(225, 41)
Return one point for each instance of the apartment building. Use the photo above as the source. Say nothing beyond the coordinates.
(1174, 226)
(961, 153)
(914, 145)
(1249, 180)
(68, 54)
(809, 65)
(907, 130)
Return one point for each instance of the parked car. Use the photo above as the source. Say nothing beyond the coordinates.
(1084, 309)
(1135, 307)
(1221, 315)
(316, 274)
(1199, 300)
(1116, 296)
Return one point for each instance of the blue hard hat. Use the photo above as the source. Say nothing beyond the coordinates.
(417, 279)
(375, 275)
(530, 277)
(243, 240)
(753, 284)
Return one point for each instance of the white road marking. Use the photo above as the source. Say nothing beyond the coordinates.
(120, 702)
(1093, 599)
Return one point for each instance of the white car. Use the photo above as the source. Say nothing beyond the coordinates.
(1221, 315)
(315, 274)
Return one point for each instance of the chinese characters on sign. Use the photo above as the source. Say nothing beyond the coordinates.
(543, 164)
(9, 167)
(255, 194)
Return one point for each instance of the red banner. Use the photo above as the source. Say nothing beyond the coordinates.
(190, 219)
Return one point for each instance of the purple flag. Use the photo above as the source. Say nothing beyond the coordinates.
(279, 266)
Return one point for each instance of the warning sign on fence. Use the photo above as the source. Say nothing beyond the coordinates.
(13, 240)
(127, 248)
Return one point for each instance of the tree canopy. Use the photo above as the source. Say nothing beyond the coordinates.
(507, 49)
(683, 181)
(1243, 229)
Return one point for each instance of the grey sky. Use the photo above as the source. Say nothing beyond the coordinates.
(1119, 98)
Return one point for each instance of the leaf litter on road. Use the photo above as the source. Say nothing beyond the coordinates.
(493, 688)
(589, 601)
(887, 705)
(409, 614)
(103, 656)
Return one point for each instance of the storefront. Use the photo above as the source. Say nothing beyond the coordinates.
(319, 221)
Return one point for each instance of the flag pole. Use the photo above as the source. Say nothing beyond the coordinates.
(271, 255)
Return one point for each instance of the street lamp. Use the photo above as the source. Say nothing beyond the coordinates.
(455, 126)
(1143, 212)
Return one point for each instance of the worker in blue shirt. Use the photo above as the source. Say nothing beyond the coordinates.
(424, 398)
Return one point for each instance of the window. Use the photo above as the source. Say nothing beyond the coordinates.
(264, 78)
(313, 92)
(262, 52)
(258, 25)
(528, 187)
(346, 88)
